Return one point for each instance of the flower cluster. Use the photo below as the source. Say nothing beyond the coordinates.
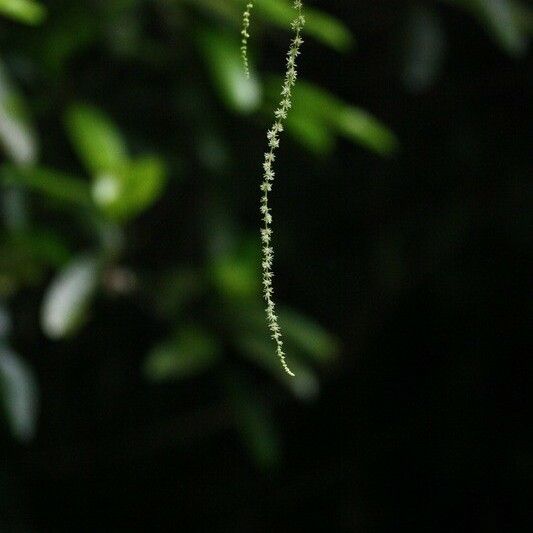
(268, 177)
(245, 37)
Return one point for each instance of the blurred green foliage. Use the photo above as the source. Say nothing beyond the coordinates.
(78, 187)
(108, 188)
(27, 11)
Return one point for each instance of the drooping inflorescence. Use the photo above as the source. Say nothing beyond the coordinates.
(245, 36)
(280, 115)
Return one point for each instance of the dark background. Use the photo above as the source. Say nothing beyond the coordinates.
(416, 264)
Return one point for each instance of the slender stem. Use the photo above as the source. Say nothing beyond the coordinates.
(268, 178)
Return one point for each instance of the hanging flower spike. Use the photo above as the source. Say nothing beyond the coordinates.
(280, 115)
(245, 36)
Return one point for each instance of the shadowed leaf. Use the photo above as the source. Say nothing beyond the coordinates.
(16, 133)
(19, 395)
(66, 302)
(191, 351)
(223, 59)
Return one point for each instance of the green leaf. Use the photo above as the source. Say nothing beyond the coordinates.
(175, 289)
(19, 395)
(42, 246)
(51, 183)
(223, 58)
(236, 273)
(323, 27)
(16, 133)
(501, 19)
(351, 122)
(17, 268)
(312, 133)
(308, 336)
(26, 257)
(27, 11)
(499, 16)
(325, 115)
(255, 424)
(67, 35)
(67, 300)
(260, 350)
(5, 322)
(329, 30)
(303, 339)
(425, 44)
(96, 139)
(191, 351)
(361, 127)
(128, 189)
(523, 17)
